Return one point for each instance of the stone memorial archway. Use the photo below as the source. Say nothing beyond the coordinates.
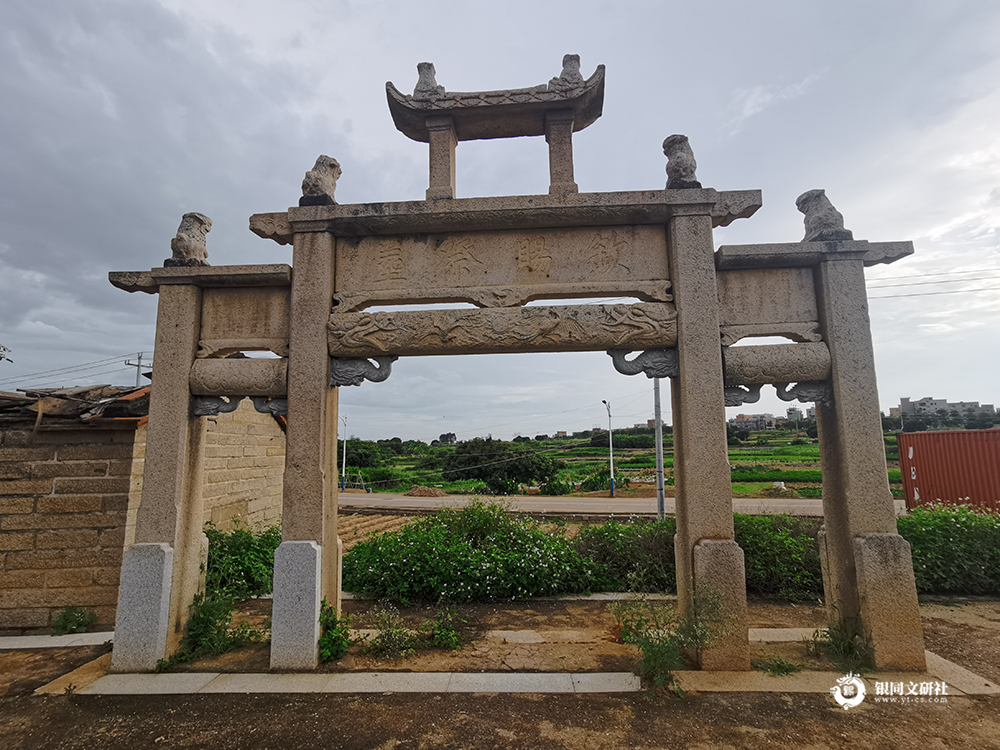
(500, 253)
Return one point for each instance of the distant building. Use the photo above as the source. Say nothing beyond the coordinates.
(561, 434)
(794, 414)
(930, 405)
(753, 421)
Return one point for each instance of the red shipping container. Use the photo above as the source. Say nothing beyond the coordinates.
(953, 467)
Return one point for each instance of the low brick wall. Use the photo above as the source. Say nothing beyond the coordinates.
(63, 502)
(69, 500)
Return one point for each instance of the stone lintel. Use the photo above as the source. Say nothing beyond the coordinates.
(247, 377)
(776, 363)
(799, 254)
(510, 212)
(271, 274)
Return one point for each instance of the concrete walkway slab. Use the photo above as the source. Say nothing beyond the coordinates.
(267, 683)
(389, 682)
(781, 635)
(79, 678)
(511, 682)
(150, 684)
(959, 677)
(515, 636)
(606, 682)
(24, 642)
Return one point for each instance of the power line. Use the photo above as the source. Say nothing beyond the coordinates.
(940, 273)
(930, 294)
(940, 281)
(60, 370)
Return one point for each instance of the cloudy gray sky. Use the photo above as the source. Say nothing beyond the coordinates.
(119, 116)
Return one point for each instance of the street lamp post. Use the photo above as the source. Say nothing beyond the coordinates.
(343, 462)
(611, 449)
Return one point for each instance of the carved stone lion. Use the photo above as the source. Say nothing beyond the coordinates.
(823, 222)
(188, 246)
(681, 164)
(427, 86)
(320, 183)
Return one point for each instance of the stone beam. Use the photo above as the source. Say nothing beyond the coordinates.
(509, 212)
(247, 377)
(502, 330)
(799, 254)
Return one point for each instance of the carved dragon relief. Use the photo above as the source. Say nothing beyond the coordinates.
(356, 371)
(737, 395)
(655, 363)
(558, 328)
(504, 296)
(808, 391)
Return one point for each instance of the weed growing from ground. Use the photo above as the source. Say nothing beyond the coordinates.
(240, 562)
(393, 639)
(442, 631)
(335, 635)
(209, 631)
(776, 666)
(72, 620)
(846, 644)
(663, 634)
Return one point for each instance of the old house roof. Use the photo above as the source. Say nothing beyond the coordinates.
(91, 406)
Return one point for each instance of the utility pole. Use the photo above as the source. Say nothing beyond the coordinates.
(138, 368)
(343, 463)
(660, 501)
(611, 448)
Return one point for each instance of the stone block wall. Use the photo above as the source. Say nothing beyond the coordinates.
(63, 502)
(69, 499)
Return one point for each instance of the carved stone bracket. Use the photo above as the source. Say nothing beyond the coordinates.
(267, 405)
(655, 363)
(737, 395)
(212, 406)
(808, 391)
(273, 226)
(356, 371)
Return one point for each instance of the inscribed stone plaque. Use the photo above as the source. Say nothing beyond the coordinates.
(244, 319)
(503, 268)
(768, 302)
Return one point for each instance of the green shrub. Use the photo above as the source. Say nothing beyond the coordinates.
(815, 492)
(72, 620)
(781, 556)
(477, 553)
(442, 630)
(895, 476)
(631, 557)
(762, 474)
(209, 631)
(955, 549)
(240, 562)
(556, 488)
(393, 638)
(335, 633)
(600, 481)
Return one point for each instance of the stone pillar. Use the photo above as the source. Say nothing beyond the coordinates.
(559, 136)
(867, 568)
(303, 573)
(442, 157)
(710, 566)
(161, 572)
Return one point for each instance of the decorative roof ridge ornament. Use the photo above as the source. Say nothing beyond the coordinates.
(681, 164)
(823, 222)
(505, 113)
(441, 118)
(188, 245)
(320, 183)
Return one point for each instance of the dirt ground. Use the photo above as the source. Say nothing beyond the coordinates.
(962, 631)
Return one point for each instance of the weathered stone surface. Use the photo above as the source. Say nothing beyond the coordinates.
(355, 371)
(823, 222)
(888, 595)
(768, 302)
(681, 164)
(806, 391)
(517, 212)
(244, 319)
(320, 183)
(272, 227)
(499, 330)
(143, 608)
(503, 268)
(801, 254)
(188, 246)
(427, 86)
(776, 363)
(737, 395)
(242, 377)
(295, 613)
(720, 584)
